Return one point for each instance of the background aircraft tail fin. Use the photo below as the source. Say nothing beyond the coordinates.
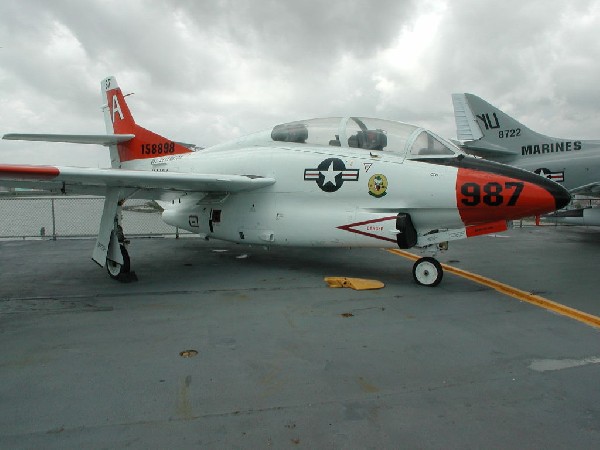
(487, 130)
(119, 120)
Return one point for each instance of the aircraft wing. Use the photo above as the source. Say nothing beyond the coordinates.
(145, 184)
(590, 189)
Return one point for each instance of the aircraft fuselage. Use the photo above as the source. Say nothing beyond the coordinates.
(349, 197)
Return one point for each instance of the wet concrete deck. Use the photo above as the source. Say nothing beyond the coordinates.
(286, 362)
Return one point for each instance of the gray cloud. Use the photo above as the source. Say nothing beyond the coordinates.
(206, 71)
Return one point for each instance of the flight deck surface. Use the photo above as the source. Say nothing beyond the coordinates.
(283, 361)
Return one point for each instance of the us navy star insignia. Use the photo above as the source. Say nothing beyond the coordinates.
(558, 176)
(330, 174)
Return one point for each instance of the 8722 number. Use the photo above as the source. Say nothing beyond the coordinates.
(505, 134)
(491, 194)
(158, 149)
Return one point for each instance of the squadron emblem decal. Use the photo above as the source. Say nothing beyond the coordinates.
(378, 185)
(331, 174)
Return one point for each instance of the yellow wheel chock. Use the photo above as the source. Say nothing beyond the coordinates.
(358, 284)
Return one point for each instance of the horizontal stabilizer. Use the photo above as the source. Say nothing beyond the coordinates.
(193, 147)
(486, 149)
(99, 139)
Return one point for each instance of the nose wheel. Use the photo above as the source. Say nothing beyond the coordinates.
(428, 271)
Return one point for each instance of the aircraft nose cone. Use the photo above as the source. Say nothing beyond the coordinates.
(561, 196)
(488, 191)
(491, 191)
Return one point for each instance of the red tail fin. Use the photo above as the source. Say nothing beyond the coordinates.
(145, 144)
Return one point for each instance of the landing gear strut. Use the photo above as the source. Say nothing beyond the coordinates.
(428, 271)
(116, 270)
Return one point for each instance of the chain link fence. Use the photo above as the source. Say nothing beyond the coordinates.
(68, 217)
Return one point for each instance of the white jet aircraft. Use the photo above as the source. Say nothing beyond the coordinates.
(486, 131)
(336, 182)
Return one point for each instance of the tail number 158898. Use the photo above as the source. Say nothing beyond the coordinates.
(158, 149)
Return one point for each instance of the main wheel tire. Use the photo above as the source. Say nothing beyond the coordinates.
(114, 269)
(428, 272)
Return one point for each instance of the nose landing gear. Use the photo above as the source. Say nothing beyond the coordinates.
(427, 271)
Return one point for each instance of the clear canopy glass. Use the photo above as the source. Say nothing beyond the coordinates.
(369, 134)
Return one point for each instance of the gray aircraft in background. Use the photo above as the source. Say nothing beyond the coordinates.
(486, 131)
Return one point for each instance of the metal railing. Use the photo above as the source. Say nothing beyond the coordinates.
(67, 217)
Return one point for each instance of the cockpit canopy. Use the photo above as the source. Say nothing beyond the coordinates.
(370, 134)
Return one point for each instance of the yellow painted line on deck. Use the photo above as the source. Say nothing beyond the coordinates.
(588, 319)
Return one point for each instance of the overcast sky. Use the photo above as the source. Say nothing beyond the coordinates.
(205, 71)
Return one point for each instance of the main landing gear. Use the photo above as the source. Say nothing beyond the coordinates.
(121, 271)
(118, 271)
(110, 249)
(428, 271)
